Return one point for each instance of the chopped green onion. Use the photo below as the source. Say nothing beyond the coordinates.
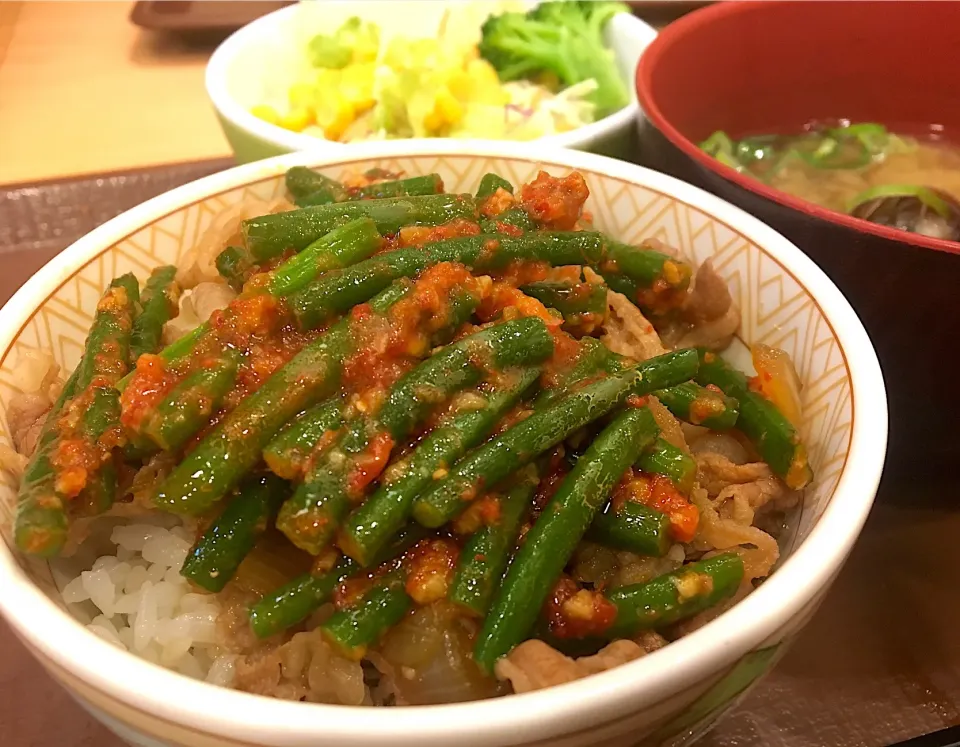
(874, 137)
(753, 149)
(926, 195)
(830, 154)
(828, 146)
(718, 142)
(720, 146)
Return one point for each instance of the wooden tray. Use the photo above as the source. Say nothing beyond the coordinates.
(182, 16)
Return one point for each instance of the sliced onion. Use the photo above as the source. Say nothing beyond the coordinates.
(271, 563)
(778, 381)
(430, 652)
(720, 443)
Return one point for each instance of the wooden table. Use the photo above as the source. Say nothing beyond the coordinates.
(84, 90)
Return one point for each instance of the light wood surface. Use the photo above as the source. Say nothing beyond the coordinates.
(84, 90)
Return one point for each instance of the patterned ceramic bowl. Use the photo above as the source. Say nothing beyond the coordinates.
(667, 697)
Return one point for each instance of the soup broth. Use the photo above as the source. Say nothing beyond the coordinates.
(857, 169)
(931, 164)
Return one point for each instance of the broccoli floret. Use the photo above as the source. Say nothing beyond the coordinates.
(562, 37)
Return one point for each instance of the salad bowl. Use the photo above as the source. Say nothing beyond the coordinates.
(258, 63)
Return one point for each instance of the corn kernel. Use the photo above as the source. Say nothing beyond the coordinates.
(296, 119)
(301, 96)
(335, 130)
(433, 122)
(460, 85)
(266, 113)
(395, 55)
(448, 108)
(483, 72)
(363, 106)
(366, 50)
(328, 106)
(356, 82)
(485, 86)
(326, 78)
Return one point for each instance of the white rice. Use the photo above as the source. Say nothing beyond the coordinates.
(138, 601)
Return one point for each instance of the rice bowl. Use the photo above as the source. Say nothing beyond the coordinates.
(648, 718)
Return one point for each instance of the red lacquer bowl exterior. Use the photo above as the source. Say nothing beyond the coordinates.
(754, 67)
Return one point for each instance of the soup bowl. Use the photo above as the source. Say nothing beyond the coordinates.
(669, 696)
(749, 68)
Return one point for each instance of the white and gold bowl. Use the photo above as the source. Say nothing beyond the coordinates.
(667, 697)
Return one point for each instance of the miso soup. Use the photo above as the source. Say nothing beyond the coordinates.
(861, 169)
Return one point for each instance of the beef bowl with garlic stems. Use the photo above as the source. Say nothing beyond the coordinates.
(295, 448)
